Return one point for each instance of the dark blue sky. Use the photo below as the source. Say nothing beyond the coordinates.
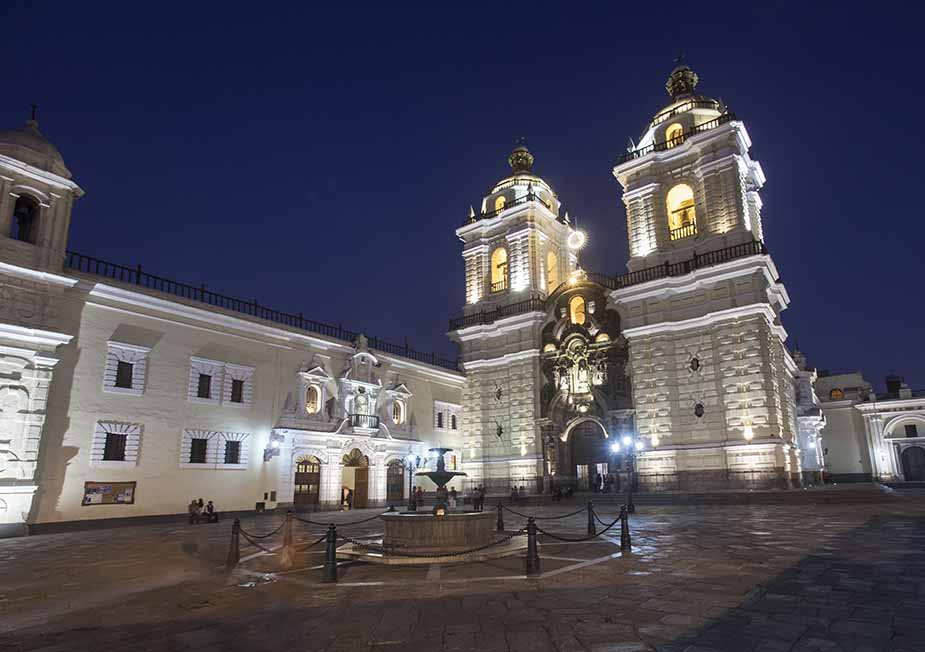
(319, 159)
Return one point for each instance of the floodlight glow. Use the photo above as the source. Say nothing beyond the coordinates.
(274, 443)
(615, 447)
(576, 240)
(627, 440)
(640, 445)
(749, 433)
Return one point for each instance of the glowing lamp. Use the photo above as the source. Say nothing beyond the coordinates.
(812, 443)
(627, 440)
(749, 433)
(640, 445)
(274, 443)
(576, 240)
(615, 447)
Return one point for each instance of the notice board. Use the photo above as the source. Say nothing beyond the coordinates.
(109, 493)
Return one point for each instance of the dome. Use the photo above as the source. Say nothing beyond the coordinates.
(27, 144)
(521, 163)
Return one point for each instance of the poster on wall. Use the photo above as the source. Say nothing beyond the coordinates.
(109, 493)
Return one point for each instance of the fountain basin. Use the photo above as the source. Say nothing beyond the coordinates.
(423, 532)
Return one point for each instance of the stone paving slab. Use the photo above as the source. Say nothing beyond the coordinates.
(736, 578)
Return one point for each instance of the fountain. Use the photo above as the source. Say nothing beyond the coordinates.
(416, 537)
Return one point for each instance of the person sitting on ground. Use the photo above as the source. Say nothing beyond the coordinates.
(211, 514)
(194, 512)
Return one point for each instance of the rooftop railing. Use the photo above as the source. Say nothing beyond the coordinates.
(666, 270)
(683, 108)
(677, 140)
(137, 276)
(516, 202)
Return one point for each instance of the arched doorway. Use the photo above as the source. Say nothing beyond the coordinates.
(395, 482)
(355, 476)
(307, 482)
(587, 448)
(913, 459)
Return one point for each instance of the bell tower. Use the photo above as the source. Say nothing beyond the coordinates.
(689, 185)
(36, 199)
(516, 253)
(712, 380)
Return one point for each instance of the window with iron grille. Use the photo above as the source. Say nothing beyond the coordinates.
(911, 430)
(237, 391)
(205, 386)
(114, 449)
(232, 452)
(198, 450)
(124, 372)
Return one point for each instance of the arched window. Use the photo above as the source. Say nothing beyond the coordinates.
(453, 422)
(836, 394)
(313, 399)
(499, 204)
(25, 225)
(552, 271)
(674, 135)
(398, 412)
(499, 270)
(682, 221)
(576, 310)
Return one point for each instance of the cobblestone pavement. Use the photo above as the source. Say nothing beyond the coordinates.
(739, 579)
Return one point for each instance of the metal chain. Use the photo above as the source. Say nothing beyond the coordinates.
(431, 555)
(594, 536)
(365, 520)
(301, 547)
(262, 536)
(543, 518)
(255, 544)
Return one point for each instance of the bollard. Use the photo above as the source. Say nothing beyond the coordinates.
(500, 526)
(532, 562)
(626, 545)
(592, 530)
(287, 554)
(329, 573)
(234, 552)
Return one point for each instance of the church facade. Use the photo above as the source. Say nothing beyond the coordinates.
(125, 394)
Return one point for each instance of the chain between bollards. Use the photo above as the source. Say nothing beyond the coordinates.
(532, 563)
(592, 530)
(626, 545)
(500, 526)
(234, 552)
(287, 554)
(329, 573)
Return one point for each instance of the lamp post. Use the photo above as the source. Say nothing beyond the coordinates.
(412, 462)
(631, 445)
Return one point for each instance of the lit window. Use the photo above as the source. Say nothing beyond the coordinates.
(499, 270)
(25, 220)
(836, 394)
(576, 309)
(499, 204)
(552, 271)
(674, 135)
(682, 221)
(312, 400)
(398, 412)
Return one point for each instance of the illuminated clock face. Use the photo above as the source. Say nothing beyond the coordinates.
(576, 240)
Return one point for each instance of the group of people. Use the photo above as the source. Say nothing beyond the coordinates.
(605, 483)
(518, 494)
(477, 497)
(417, 498)
(558, 493)
(199, 512)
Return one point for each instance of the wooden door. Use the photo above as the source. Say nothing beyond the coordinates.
(913, 459)
(395, 483)
(361, 487)
(307, 483)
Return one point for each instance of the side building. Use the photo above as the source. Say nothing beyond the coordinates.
(124, 394)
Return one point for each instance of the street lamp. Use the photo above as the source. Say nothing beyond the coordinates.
(633, 446)
(412, 462)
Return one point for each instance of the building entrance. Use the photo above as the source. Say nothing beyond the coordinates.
(395, 482)
(307, 483)
(913, 459)
(355, 477)
(587, 452)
